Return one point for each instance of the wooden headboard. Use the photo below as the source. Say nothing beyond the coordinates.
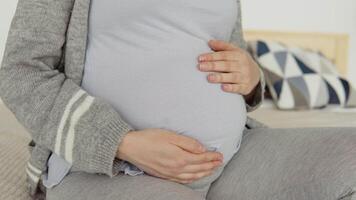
(333, 46)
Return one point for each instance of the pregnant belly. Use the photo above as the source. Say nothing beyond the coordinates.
(164, 89)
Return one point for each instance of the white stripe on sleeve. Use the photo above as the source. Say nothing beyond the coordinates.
(64, 118)
(34, 169)
(32, 176)
(73, 122)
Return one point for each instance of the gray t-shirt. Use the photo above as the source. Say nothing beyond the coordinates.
(142, 58)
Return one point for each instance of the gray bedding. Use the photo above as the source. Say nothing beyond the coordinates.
(14, 139)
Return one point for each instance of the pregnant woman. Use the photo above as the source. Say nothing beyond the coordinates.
(147, 99)
(145, 65)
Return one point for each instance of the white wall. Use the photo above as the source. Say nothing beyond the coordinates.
(7, 9)
(338, 16)
(292, 15)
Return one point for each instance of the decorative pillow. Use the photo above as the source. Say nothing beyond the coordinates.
(340, 90)
(292, 83)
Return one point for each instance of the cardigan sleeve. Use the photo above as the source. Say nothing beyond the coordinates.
(60, 115)
(237, 38)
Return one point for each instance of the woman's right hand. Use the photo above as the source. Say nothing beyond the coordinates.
(166, 154)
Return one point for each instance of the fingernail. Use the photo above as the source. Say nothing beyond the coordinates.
(212, 77)
(203, 66)
(226, 87)
(201, 58)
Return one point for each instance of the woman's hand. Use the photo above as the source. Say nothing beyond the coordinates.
(166, 154)
(233, 67)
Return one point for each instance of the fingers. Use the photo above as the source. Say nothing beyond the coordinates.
(220, 56)
(219, 66)
(188, 143)
(234, 77)
(233, 82)
(220, 45)
(202, 167)
(195, 176)
(163, 176)
(235, 88)
(203, 157)
(183, 177)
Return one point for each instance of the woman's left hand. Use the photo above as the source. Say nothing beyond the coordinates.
(233, 67)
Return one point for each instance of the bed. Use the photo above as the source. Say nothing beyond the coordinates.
(333, 46)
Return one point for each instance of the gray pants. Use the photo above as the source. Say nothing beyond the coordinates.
(276, 164)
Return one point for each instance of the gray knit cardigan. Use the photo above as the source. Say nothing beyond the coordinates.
(40, 82)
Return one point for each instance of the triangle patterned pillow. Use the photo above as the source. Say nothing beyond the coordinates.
(293, 84)
(340, 90)
(299, 78)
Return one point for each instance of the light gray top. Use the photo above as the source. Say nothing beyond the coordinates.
(44, 60)
(142, 58)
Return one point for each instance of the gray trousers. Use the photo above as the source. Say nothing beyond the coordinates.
(276, 164)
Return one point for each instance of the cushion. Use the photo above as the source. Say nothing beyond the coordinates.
(340, 90)
(300, 78)
(291, 82)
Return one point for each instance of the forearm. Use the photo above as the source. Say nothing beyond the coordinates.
(58, 113)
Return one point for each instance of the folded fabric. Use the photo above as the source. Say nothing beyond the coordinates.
(58, 168)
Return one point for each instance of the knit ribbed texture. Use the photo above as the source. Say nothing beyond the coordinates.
(106, 151)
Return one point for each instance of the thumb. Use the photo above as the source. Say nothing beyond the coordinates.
(188, 143)
(220, 45)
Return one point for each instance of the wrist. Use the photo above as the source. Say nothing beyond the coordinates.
(122, 148)
(249, 97)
